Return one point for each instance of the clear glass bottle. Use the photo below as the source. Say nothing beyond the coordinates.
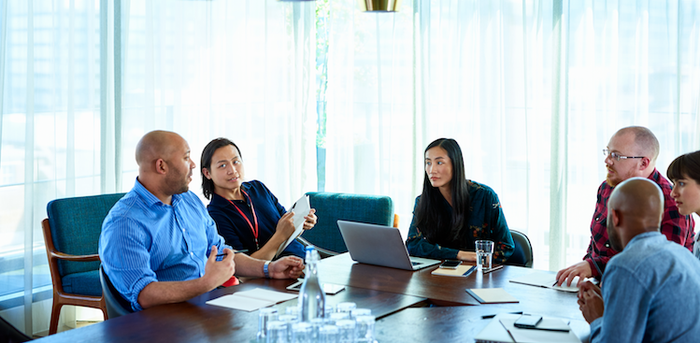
(312, 299)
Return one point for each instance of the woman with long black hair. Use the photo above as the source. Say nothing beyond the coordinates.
(453, 212)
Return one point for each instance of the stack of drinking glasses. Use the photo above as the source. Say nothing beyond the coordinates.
(313, 320)
(343, 323)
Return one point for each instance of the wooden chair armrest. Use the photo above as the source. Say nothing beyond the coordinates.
(75, 258)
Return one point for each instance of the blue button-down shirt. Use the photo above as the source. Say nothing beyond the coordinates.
(144, 240)
(651, 293)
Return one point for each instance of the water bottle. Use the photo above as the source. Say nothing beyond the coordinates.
(312, 299)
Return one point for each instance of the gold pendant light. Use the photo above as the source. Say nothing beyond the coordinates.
(380, 5)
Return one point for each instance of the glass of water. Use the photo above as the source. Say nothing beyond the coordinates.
(266, 315)
(277, 332)
(328, 334)
(484, 252)
(365, 328)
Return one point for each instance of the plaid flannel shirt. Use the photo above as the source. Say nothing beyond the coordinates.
(674, 226)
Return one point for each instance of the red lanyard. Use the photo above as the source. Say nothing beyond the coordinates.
(255, 218)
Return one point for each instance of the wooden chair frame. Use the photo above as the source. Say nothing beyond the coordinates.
(60, 297)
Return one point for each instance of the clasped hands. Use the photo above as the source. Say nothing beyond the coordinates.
(590, 301)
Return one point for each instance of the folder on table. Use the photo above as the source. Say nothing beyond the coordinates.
(461, 270)
(491, 295)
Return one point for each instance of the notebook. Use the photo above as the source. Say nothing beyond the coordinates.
(491, 295)
(379, 245)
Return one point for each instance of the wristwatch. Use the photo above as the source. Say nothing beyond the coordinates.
(266, 271)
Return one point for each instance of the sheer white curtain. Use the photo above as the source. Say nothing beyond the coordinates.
(50, 141)
(241, 69)
(370, 104)
(532, 91)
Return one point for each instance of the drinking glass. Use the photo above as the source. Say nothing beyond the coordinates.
(277, 332)
(292, 311)
(361, 312)
(328, 334)
(302, 333)
(346, 307)
(289, 320)
(266, 315)
(347, 332)
(484, 252)
(338, 316)
(365, 328)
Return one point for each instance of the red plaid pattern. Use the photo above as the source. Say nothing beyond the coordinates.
(676, 227)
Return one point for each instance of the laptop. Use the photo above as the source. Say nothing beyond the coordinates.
(379, 245)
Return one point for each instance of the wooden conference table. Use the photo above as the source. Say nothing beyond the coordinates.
(400, 299)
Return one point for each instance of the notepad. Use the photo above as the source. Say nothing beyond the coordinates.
(301, 209)
(546, 280)
(251, 300)
(491, 295)
(496, 332)
(463, 270)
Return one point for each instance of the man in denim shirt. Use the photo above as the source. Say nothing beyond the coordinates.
(648, 288)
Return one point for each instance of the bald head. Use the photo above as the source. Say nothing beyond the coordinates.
(165, 167)
(636, 206)
(156, 145)
(645, 141)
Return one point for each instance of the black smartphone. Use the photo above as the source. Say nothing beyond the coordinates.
(527, 322)
(450, 264)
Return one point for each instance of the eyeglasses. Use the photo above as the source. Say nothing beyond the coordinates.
(616, 156)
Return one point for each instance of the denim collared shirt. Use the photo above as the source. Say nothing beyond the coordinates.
(144, 240)
(650, 293)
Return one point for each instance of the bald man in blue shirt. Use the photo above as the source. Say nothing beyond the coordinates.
(158, 243)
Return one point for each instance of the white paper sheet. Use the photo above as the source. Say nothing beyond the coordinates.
(301, 209)
(251, 300)
(547, 280)
(495, 331)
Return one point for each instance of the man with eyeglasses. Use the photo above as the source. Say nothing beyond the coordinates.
(631, 152)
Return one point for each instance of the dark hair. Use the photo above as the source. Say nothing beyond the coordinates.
(209, 150)
(685, 165)
(430, 216)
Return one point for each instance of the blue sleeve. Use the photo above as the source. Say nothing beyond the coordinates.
(621, 319)
(125, 257)
(418, 245)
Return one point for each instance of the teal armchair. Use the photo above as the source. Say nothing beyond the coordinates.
(71, 233)
(330, 207)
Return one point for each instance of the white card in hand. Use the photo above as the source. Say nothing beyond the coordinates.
(301, 209)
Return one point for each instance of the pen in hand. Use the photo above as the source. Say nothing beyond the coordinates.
(221, 255)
